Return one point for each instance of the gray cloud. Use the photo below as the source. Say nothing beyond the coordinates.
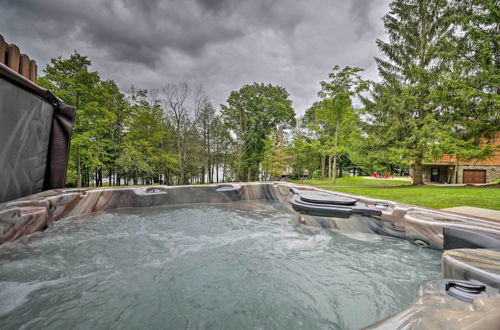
(361, 11)
(222, 44)
(215, 5)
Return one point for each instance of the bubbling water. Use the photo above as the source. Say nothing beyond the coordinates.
(243, 265)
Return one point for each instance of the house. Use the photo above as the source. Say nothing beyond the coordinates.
(448, 170)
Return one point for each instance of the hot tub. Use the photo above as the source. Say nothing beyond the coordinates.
(238, 256)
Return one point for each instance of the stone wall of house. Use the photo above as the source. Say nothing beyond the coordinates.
(492, 171)
(443, 173)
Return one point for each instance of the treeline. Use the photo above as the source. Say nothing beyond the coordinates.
(169, 135)
(437, 94)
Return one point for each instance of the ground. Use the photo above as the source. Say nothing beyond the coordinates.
(400, 191)
(357, 181)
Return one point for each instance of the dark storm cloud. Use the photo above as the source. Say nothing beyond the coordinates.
(222, 44)
(136, 31)
(215, 5)
(361, 11)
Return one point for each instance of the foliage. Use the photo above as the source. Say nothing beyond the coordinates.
(100, 107)
(145, 136)
(416, 112)
(471, 85)
(438, 94)
(252, 113)
(333, 118)
(276, 158)
(147, 144)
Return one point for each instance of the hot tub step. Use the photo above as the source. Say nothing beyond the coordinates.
(329, 205)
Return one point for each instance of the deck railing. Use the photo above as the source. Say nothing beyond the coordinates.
(11, 56)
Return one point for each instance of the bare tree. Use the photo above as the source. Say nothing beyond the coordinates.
(174, 99)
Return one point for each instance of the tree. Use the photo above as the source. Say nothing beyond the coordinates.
(276, 158)
(206, 122)
(170, 135)
(417, 31)
(471, 84)
(71, 80)
(304, 152)
(335, 111)
(425, 106)
(318, 132)
(380, 149)
(222, 152)
(252, 114)
(175, 98)
(150, 138)
(186, 108)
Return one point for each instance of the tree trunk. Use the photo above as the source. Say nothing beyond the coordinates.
(329, 166)
(181, 165)
(224, 170)
(217, 172)
(334, 167)
(209, 168)
(79, 175)
(323, 163)
(454, 172)
(417, 171)
(238, 169)
(335, 144)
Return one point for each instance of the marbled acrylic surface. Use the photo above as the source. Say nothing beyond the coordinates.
(422, 226)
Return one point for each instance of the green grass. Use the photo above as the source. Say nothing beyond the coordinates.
(354, 181)
(435, 197)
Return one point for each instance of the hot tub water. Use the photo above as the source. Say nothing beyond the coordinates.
(238, 265)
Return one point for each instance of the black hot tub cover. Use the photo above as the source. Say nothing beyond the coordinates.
(35, 132)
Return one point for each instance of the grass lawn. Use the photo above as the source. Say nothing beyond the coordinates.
(354, 181)
(435, 197)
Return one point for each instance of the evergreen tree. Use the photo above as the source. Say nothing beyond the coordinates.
(438, 91)
(472, 84)
(404, 109)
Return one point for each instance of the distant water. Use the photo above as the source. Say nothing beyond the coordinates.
(208, 267)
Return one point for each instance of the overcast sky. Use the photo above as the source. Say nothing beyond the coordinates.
(222, 44)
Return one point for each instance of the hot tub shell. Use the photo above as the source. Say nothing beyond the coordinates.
(432, 308)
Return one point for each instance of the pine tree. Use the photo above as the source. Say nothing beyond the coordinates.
(474, 79)
(438, 94)
(404, 104)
